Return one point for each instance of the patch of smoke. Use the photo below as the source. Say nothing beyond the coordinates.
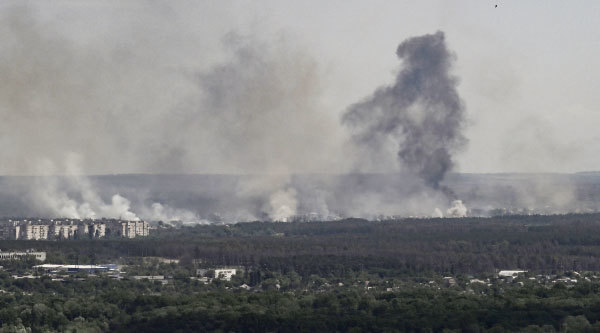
(170, 215)
(540, 193)
(107, 102)
(282, 205)
(248, 114)
(457, 209)
(271, 197)
(374, 195)
(421, 113)
(548, 195)
(259, 107)
(60, 95)
(72, 195)
(123, 111)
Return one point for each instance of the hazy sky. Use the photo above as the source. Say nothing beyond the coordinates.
(104, 80)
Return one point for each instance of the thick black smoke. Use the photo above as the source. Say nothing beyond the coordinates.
(421, 112)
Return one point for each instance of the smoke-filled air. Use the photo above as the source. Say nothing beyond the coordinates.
(421, 112)
(145, 113)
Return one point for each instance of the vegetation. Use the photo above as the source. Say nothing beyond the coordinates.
(466, 246)
(349, 275)
(101, 304)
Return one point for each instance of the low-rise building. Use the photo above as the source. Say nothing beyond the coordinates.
(225, 273)
(160, 278)
(510, 273)
(49, 268)
(15, 255)
(449, 281)
(160, 260)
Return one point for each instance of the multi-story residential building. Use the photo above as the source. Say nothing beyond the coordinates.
(71, 229)
(10, 230)
(35, 231)
(98, 230)
(131, 229)
(65, 231)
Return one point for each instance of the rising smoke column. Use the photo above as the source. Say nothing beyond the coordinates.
(256, 109)
(421, 112)
(73, 195)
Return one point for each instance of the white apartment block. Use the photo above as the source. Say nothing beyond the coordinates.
(98, 230)
(36, 231)
(65, 231)
(131, 229)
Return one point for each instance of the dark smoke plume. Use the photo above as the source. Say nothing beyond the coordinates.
(421, 112)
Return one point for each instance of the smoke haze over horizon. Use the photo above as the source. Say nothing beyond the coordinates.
(136, 73)
(183, 88)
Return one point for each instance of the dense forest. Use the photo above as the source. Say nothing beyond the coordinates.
(466, 246)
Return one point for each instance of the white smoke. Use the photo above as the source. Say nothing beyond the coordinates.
(282, 205)
(73, 195)
(120, 207)
(165, 213)
(458, 209)
(59, 204)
